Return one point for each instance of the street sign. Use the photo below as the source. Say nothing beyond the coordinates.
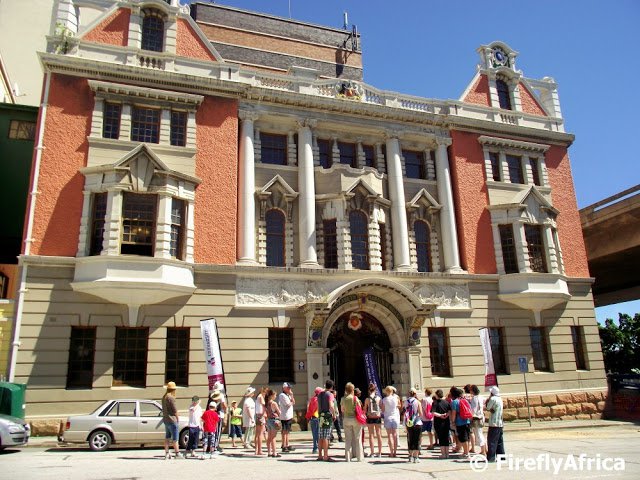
(523, 364)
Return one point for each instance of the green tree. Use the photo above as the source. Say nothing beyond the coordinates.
(621, 344)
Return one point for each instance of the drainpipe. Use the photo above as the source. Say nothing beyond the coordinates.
(15, 344)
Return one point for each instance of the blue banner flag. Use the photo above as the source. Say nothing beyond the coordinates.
(372, 369)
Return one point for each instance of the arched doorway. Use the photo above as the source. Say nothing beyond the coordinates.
(346, 346)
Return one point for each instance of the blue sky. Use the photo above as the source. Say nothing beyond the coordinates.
(428, 48)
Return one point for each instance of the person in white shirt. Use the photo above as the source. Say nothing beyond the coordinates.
(391, 412)
(248, 416)
(286, 401)
(195, 419)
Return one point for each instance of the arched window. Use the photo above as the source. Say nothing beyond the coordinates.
(423, 245)
(152, 32)
(275, 238)
(504, 96)
(359, 240)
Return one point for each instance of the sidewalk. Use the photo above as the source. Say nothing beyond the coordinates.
(305, 436)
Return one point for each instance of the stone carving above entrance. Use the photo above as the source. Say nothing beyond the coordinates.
(258, 292)
(444, 296)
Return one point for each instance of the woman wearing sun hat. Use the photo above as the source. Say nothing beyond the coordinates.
(170, 419)
(391, 410)
(248, 416)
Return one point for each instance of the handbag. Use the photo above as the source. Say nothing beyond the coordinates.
(278, 424)
(361, 418)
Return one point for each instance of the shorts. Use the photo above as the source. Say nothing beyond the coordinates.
(391, 423)
(235, 431)
(286, 425)
(271, 425)
(325, 421)
(463, 432)
(171, 431)
(427, 425)
(374, 421)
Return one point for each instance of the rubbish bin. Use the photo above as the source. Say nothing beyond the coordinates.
(12, 399)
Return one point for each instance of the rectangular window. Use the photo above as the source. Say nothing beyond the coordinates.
(414, 164)
(22, 130)
(515, 169)
(82, 349)
(273, 149)
(535, 170)
(97, 223)
(535, 245)
(509, 258)
(130, 356)
(176, 247)
(439, 351)
(383, 245)
(138, 224)
(496, 337)
(369, 155)
(577, 338)
(280, 355)
(111, 120)
(348, 154)
(325, 154)
(540, 349)
(330, 244)
(178, 128)
(495, 166)
(145, 125)
(177, 356)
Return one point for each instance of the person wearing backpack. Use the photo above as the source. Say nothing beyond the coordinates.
(461, 415)
(374, 419)
(427, 416)
(413, 422)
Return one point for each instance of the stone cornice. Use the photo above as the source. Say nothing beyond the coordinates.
(509, 143)
(376, 105)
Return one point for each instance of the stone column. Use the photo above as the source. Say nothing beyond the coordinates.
(163, 226)
(447, 214)
(400, 237)
(246, 194)
(307, 197)
(415, 367)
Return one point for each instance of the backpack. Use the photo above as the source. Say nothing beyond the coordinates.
(374, 407)
(465, 409)
(410, 413)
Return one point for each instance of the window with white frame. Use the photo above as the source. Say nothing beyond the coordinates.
(125, 112)
(515, 162)
(152, 30)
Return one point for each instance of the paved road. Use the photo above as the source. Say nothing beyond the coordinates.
(599, 446)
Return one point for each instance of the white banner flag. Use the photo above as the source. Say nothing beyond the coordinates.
(490, 378)
(212, 354)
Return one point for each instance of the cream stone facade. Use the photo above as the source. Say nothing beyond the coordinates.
(312, 215)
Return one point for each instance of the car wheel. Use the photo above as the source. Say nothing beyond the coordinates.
(183, 438)
(99, 440)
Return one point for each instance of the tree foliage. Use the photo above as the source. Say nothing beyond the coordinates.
(621, 344)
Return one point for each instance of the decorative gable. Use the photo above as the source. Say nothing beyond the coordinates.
(112, 29)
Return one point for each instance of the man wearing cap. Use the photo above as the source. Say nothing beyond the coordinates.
(170, 420)
(286, 401)
(248, 416)
(495, 442)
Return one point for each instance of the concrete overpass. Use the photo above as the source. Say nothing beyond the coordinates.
(611, 231)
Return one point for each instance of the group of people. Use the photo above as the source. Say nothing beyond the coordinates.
(455, 419)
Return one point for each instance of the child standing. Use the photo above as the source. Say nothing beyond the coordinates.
(210, 420)
(235, 427)
(195, 418)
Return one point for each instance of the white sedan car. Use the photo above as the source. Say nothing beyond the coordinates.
(14, 432)
(121, 422)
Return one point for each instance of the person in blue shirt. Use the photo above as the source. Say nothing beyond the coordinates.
(462, 425)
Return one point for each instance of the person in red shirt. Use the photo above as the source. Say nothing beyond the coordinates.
(210, 420)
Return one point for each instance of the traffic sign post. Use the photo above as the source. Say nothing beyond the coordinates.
(523, 363)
